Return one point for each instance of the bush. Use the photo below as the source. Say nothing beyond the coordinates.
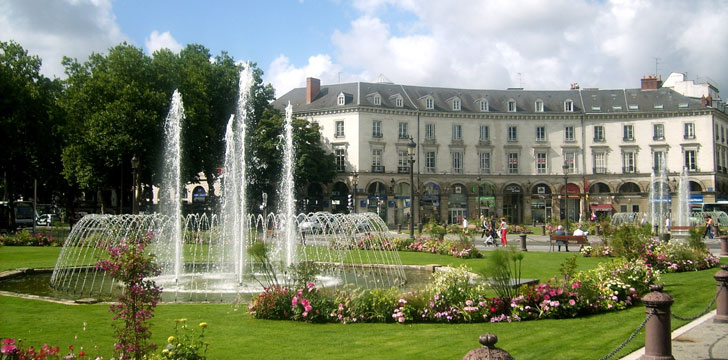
(185, 346)
(273, 303)
(372, 305)
(24, 238)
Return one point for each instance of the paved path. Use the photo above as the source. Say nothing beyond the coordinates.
(700, 339)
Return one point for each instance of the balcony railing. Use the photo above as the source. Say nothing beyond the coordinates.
(598, 139)
(658, 138)
(599, 170)
(377, 134)
(403, 169)
(628, 169)
(689, 137)
(403, 136)
(377, 168)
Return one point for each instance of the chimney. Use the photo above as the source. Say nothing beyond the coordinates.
(651, 82)
(313, 86)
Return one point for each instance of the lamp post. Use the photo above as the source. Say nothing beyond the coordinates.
(479, 201)
(411, 149)
(566, 197)
(356, 179)
(135, 200)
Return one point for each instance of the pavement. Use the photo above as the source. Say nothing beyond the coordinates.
(699, 339)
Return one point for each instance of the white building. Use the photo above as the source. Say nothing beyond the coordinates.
(503, 152)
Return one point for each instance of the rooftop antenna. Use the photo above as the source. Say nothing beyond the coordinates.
(339, 77)
(520, 80)
(657, 65)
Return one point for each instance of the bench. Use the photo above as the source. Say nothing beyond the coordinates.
(568, 239)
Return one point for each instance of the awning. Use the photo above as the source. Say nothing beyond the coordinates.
(601, 207)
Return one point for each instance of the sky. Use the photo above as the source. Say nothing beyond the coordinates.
(487, 44)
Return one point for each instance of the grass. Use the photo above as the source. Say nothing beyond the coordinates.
(235, 335)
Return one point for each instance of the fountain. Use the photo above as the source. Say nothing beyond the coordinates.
(204, 258)
(660, 201)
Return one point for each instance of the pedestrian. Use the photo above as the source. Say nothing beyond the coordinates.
(667, 223)
(484, 224)
(503, 231)
(708, 227)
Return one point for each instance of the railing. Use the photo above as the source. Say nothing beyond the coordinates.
(599, 170)
(377, 168)
(403, 169)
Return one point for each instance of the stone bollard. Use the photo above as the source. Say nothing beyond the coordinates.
(658, 343)
(721, 305)
(488, 350)
(543, 230)
(724, 246)
(399, 229)
(599, 229)
(523, 241)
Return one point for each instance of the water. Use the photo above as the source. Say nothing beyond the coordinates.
(201, 254)
(683, 212)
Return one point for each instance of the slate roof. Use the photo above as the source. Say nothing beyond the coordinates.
(361, 94)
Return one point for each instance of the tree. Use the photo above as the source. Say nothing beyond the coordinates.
(29, 123)
(114, 108)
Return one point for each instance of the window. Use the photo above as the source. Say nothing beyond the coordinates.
(658, 132)
(429, 131)
(340, 159)
(377, 128)
(633, 107)
(484, 133)
(483, 105)
(539, 106)
(484, 162)
(513, 163)
(341, 100)
(512, 133)
(541, 162)
(402, 131)
(402, 162)
(457, 132)
(569, 133)
(690, 162)
(377, 160)
(377, 100)
(722, 134)
(398, 102)
(600, 163)
(568, 106)
(689, 131)
(570, 161)
(628, 162)
(429, 103)
(430, 161)
(658, 161)
(717, 135)
(456, 104)
(540, 133)
(339, 129)
(628, 133)
(457, 162)
(511, 105)
(598, 133)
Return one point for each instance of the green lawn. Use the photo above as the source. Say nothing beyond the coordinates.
(235, 335)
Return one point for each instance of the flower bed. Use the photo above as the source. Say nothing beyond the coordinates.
(452, 298)
(25, 238)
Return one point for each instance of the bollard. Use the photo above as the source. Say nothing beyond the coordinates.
(658, 343)
(399, 229)
(724, 246)
(419, 228)
(599, 229)
(721, 305)
(543, 230)
(523, 241)
(488, 350)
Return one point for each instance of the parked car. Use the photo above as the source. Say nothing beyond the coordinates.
(47, 219)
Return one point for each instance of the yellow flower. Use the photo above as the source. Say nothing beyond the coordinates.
(165, 351)
(170, 339)
(203, 325)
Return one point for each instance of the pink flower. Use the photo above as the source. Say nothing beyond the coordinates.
(294, 301)
(310, 284)
(572, 302)
(401, 319)
(469, 302)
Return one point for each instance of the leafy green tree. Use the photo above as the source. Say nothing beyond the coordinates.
(113, 108)
(29, 124)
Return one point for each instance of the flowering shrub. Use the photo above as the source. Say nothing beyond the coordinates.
(464, 248)
(184, 346)
(597, 251)
(132, 266)
(273, 303)
(25, 238)
(310, 305)
(616, 284)
(372, 305)
(14, 350)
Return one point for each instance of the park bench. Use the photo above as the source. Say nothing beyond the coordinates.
(556, 240)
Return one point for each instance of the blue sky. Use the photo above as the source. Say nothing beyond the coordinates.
(535, 44)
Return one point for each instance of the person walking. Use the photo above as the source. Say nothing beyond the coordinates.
(503, 231)
(708, 227)
(484, 224)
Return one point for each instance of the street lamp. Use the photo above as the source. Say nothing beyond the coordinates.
(566, 196)
(356, 179)
(411, 149)
(135, 200)
(480, 210)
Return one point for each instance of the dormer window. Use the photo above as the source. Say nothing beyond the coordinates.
(377, 100)
(456, 104)
(483, 105)
(568, 106)
(511, 105)
(539, 106)
(429, 103)
(398, 102)
(341, 99)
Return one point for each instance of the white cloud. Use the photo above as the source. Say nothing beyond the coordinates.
(284, 76)
(157, 41)
(539, 44)
(52, 29)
